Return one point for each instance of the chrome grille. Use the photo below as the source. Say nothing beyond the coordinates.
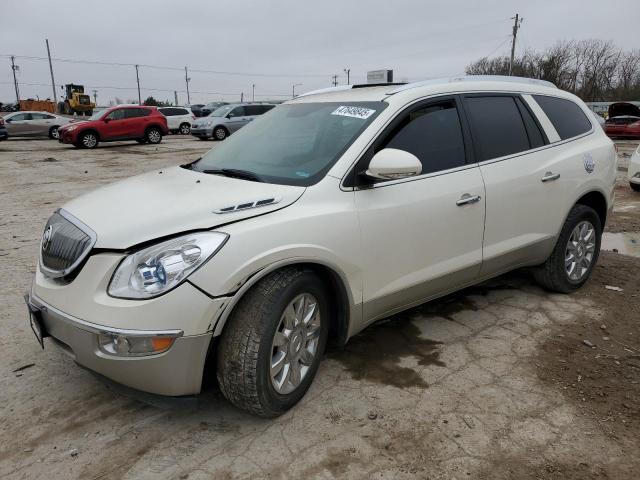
(65, 243)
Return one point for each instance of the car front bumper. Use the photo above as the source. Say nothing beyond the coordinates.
(201, 131)
(178, 371)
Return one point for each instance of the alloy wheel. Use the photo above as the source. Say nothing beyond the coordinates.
(89, 140)
(154, 136)
(54, 133)
(580, 251)
(220, 133)
(295, 343)
(185, 129)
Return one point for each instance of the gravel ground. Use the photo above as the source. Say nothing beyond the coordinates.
(493, 382)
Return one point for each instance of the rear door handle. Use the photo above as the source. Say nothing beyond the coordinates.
(467, 199)
(550, 177)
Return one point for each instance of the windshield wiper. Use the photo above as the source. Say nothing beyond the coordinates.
(235, 173)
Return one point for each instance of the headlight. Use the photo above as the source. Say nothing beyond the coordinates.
(157, 269)
(71, 128)
(209, 123)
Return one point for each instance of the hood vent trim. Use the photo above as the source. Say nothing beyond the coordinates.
(263, 202)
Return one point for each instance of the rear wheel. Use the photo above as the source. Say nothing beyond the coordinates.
(220, 133)
(53, 133)
(89, 140)
(635, 186)
(185, 128)
(271, 348)
(153, 136)
(575, 254)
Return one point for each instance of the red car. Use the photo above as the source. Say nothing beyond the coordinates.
(131, 122)
(624, 121)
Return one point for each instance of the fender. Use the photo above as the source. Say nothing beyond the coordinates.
(353, 311)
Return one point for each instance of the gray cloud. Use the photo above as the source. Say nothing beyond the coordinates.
(304, 42)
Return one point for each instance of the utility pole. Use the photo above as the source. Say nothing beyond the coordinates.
(138, 80)
(15, 67)
(253, 92)
(516, 25)
(241, 97)
(53, 82)
(335, 80)
(175, 94)
(187, 80)
(293, 89)
(347, 71)
(95, 97)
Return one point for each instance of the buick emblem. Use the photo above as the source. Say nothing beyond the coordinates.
(589, 163)
(46, 238)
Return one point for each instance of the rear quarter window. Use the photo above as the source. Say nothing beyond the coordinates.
(566, 116)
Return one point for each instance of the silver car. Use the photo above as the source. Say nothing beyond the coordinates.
(227, 119)
(34, 124)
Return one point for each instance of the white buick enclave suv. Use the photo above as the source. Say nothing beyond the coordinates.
(333, 210)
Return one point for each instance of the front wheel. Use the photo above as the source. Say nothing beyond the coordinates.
(271, 348)
(635, 186)
(185, 129)
(153, 136)
(89, 140)
(53, 133)
(220, 133)
(575, 254)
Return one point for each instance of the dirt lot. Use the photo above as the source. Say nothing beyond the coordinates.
(501, 381)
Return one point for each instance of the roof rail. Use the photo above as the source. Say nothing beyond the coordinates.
(473, 78)
(338, 88)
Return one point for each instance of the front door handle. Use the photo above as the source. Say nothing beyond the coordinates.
(550, 177)
(467, 199)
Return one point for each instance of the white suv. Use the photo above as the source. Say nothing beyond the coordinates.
(179, 119)
(337, 209)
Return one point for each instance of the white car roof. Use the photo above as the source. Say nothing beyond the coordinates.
(430, 87)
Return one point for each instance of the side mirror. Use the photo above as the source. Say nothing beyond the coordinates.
(8, 120)
(390, 164)
(106, 120)
(229, 115)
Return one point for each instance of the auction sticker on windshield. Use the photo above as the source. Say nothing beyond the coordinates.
(356, 112)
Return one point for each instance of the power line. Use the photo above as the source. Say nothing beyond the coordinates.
(167, 67)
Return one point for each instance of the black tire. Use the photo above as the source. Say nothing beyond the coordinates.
(246, 347)
(153, 135)
(635, 186)
(185, 128)
(551, 274)
(53, 133)
(85, 140)
(220, 133)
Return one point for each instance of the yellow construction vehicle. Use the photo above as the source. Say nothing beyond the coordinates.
(76, 101)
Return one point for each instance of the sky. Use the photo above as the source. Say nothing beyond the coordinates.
(232, 45)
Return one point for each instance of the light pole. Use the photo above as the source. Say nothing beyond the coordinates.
(293, 89)
(253, 92)
(347, 71)
(187, 79)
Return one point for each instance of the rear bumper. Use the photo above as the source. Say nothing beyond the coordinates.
(178, 371)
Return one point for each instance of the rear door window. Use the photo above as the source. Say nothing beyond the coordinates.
(566, 116)
(536, 137)
(432, 133)
(237, 112)
(496, 125)
(252, 110)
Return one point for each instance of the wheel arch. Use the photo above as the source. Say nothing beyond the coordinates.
(598, 201)
(334, 280)
(89, 130)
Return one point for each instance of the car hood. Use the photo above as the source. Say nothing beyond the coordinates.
(623, 109)
(173, 200)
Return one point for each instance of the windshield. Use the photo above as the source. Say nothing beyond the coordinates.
(97, 115)
(293, 144)
(222, 111)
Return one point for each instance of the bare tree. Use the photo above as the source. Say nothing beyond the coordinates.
(592, 69)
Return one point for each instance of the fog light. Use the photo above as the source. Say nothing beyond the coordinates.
(134, 346)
